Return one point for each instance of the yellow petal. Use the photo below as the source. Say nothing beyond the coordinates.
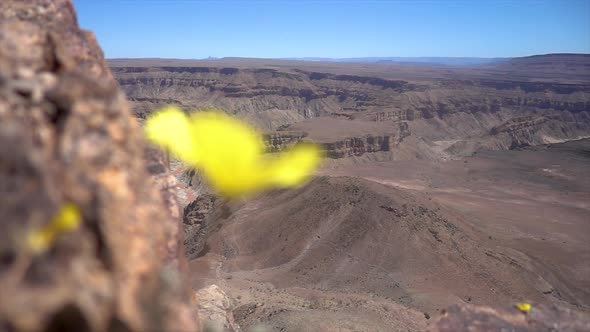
(66, 219)
(222, 139)
(294, 166)
(171, 129)
(38, 241)
(229, 152)
(524, 307)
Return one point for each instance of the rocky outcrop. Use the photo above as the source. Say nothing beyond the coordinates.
(533, 122)
(276, 142)
(356, 146)
(530, 130)
(196, 226)
(395, 115)
(341, 138)
(215, 308)
(519, 124)
(541, 317)
(193, 180)
(68, 137)
(348, 147)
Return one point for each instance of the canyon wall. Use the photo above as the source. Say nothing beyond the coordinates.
(476, 110)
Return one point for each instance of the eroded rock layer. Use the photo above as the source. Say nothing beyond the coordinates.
(453, 111)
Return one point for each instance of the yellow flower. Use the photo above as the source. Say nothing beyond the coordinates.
(524, 307)
(66, 219)
(228, 152)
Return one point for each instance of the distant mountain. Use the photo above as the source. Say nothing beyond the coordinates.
(445, 61)
(571, 63)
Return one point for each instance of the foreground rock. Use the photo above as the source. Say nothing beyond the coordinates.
(67, 136)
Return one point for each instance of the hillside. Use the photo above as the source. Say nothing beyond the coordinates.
(341, 245)
(387, 245)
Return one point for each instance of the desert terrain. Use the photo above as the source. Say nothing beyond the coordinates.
(449, 192)
(385, 245)
(441, 185)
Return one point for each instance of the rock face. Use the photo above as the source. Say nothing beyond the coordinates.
(276, 142)
(342, 148)
(356, 146)
(196, 225)
(67, 136)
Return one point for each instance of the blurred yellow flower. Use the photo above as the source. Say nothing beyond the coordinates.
(524, 307)
(228, 152)
(66, 219)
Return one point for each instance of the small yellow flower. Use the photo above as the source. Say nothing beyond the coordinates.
(66, 219)
(228, 152)
(524, 307)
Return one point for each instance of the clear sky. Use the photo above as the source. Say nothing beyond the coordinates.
(336, 28)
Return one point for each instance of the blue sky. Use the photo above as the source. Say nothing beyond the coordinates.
(336, 28)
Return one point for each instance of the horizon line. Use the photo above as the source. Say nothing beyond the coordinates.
(346, 58)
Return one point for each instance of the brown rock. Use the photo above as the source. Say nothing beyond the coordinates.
(215, 310)
(66, 135)
(196, 223)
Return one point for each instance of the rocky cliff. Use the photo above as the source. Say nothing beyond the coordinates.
(196, 223)
(68, 139)
(340, 148)
(280, 140)
(310, 94)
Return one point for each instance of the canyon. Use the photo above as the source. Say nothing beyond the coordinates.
(447, 195)
(446, 112)
(441, 185)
